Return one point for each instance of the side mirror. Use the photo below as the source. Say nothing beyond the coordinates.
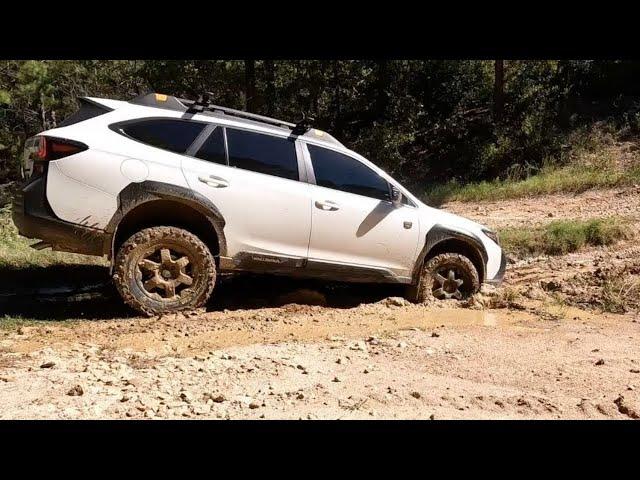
(396, 196)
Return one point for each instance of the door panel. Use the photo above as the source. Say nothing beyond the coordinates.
(263, 213)
(354, 229)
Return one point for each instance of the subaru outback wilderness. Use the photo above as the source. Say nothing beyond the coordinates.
(174, 191)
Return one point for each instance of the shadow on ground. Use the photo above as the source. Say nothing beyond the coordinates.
(65, 292)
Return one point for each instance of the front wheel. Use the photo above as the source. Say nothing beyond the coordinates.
(445, 276)
(164, 269)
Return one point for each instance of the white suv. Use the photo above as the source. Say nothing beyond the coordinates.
(174, 190)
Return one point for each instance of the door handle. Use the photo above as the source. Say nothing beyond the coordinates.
(327, 205)
(215, 182)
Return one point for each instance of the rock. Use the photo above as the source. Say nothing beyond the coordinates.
(300, 396)
(625, 409)
(634, 370)
(401, 345)
(600, 362)
(551, 286)
(416, 395)
(76, 391)
(396, 302)
(215, 398)
(186, 397)
(432, 417)
(48, 365)
(336, 379)
(254, 405)
(360, 346)
(435, 334)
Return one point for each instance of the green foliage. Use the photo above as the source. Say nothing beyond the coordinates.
(426, 121)
(564, 236)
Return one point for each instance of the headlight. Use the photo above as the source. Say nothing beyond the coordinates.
(492, 235)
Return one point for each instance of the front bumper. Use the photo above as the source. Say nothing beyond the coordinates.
(34, 218)
(497, 280)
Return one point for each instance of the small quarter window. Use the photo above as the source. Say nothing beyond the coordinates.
(168, 134)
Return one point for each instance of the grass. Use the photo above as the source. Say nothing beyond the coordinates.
(549, 180)
(621, 294)
(15, 251)
(564, 236)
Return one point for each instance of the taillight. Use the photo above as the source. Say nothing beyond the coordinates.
(41, 149)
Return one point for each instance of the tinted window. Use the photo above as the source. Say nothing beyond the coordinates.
(340, 172)
(173, 135)
(262, 153)
(212, 149)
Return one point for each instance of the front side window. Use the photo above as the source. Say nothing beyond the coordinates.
(212, 149)
(262, 153)
(341, 172)
(166, 133)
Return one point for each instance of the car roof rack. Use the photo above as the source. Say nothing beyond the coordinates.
(203, 104)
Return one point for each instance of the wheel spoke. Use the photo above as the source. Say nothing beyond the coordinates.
(459, 282)
(452, 275)
(440, 279)
(152, 283)
(169, 289)
(182, 262)
(165, 256)
(439, 293)
(184, 279)
(149, 265)
(457, 294)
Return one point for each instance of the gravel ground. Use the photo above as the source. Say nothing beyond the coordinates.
(544, 352)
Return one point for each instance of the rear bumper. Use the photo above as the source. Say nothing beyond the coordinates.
(497, 280)
(34, 218)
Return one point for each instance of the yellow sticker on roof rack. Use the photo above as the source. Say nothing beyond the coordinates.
(161, 97)
(319, 133)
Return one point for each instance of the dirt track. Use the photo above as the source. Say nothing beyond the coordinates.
(536, 355)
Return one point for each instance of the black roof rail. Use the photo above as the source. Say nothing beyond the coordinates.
(203, 104)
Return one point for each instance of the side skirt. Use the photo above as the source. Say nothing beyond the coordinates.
(304, 268)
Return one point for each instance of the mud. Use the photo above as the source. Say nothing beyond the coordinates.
(539, 347)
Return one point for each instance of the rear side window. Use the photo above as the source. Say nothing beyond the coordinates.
(262, 153)
(168, 134)
(341, 172)
(212, 149)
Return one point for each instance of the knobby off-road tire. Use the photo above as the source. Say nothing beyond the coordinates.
(164, 269)
(448, 275)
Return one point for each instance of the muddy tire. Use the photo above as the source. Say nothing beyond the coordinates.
(445, 276)
(164, 269)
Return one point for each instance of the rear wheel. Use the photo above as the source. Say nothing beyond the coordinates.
(164, 269)
(445, 276)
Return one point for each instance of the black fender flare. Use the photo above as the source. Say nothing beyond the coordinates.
(136, 194)
(440, 233)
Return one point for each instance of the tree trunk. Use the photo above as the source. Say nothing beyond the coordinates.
(270, 92)
(498, 90)
(250, 85)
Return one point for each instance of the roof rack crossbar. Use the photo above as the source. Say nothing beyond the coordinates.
(202, 104)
